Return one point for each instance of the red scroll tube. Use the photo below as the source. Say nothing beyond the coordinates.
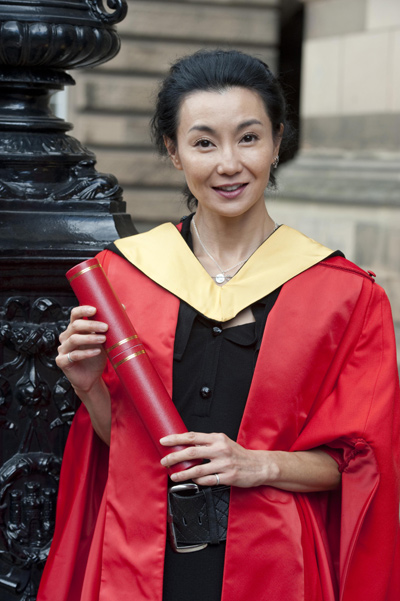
(128, 357)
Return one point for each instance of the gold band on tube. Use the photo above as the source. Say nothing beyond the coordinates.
(108, 350)
(83, 271)
(129, 358)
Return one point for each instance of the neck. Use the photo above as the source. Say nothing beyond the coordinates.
(229, 239)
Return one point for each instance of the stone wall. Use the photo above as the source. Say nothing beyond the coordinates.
(111, 105)
(343, 188)
(351, 75)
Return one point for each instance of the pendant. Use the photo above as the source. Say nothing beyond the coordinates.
(220, 278)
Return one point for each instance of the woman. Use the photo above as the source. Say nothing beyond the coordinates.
(279, 356)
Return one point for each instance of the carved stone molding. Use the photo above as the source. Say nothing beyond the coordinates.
(28, 491)
(118, 6)
(37, 405)
(49, 145)
(73, 11)
(83, 183)
(62, 45)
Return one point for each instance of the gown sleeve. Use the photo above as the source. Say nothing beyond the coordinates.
(80, 508)
(360, 402)
(82, 485)
(327, 378)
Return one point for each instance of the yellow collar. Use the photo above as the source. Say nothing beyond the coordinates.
(163, 255)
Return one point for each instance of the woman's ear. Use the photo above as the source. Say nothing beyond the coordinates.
(173, 153)
(278, 139)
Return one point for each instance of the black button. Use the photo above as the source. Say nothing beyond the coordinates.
(216, 331)
(205, 392)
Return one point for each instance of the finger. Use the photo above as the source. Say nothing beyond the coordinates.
(82, 327)
(75, 356)
(82, 311)
(75, 341)
(188, 438)
(210, 452)
(205, 472)
(187, 454)
(210, 480)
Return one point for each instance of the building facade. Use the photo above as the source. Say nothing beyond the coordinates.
(343, 187)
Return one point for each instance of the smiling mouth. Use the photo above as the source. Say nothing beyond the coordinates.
(231, 188)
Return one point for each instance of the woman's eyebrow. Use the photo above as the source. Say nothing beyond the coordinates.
(210, 130)
(248, 124)
(205, 128)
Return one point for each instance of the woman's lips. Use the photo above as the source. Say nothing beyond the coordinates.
(230, 191)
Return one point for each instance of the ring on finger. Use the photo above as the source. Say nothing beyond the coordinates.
(217, 477)
(69, 358)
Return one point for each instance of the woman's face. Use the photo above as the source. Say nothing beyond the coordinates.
(225, 148)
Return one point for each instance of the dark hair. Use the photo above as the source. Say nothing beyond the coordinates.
(214, 70)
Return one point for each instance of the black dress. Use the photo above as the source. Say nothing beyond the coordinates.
(212, 373)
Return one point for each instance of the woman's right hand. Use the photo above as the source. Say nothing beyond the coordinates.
(82, 341)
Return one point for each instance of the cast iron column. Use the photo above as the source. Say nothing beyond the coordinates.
(55, 210)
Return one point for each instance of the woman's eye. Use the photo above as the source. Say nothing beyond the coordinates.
(247, 138)
(203, 143)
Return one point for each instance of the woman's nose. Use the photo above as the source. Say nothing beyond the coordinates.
(229, 162)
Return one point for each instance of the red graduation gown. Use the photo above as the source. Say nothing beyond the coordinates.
(326, 376)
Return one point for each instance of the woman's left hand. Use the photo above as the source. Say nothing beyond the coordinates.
(235, 465)
(298, 471)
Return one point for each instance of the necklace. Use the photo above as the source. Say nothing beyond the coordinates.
(221, 277)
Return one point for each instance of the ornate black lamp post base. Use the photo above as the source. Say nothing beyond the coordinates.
(55, 210)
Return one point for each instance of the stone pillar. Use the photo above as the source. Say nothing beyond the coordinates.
(343, 188)
(55, 210)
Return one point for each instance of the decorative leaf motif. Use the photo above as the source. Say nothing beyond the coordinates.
(98, 10)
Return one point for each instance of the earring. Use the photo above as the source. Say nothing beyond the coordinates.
(275, 162)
